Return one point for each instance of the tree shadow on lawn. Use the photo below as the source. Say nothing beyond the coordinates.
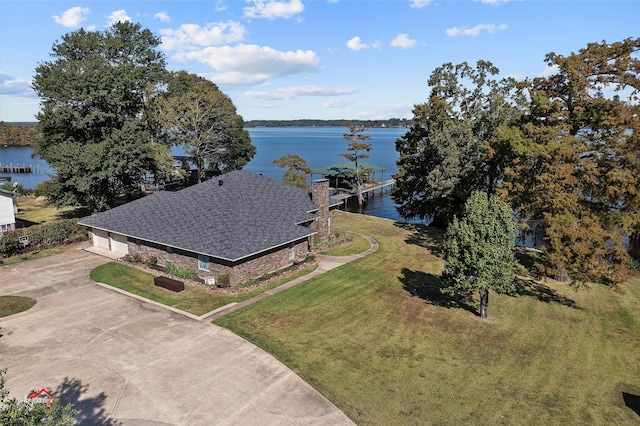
(90, 409)
(428, 288)
(428, 237)
(532, 288)
(632, 401)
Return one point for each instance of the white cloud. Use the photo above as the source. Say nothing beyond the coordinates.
(356, 44)
(549, 71)
(336, 103)
(273, 9)
(403, 41)
(474, 31)
(15, 86)
(418, 4)
(297, 91)
(251, 64)
(118, 16)
(190, 36)
(162, 16)
(72, 18)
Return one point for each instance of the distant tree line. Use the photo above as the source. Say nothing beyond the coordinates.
(392, 122)
(17, 134)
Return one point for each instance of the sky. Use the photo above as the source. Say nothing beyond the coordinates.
(319, 59)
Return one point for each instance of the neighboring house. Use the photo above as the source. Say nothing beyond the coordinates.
(240, 224)
(8, 210)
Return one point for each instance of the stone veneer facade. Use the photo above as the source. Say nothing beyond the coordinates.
(238, 272)
(320, 196)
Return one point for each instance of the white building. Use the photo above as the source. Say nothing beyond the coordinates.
(8, 210)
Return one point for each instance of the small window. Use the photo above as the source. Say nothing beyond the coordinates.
(169, 254)
(292, 251)
(203, 262)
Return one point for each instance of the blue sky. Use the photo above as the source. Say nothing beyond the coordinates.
(324, 59)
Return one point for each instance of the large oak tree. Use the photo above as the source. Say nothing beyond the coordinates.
(92, 128)
(575, 175)
(195, 114)
(460, 142)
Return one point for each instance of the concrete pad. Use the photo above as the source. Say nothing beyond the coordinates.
(119, 359)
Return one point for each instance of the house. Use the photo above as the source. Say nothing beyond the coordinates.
(8, 210)
(239, 224)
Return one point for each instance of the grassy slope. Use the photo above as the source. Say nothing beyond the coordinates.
(548, 356)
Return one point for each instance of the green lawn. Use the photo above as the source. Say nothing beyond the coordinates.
(375, 337)
(194, 299)
(10, 305)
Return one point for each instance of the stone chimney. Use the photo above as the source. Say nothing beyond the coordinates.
(320, 196)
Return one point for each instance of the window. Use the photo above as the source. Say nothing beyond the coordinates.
(169, 254)
(203, 262)
(292, 251)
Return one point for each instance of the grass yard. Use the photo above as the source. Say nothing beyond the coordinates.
(193, 299)
(10, 305)
(376, 338)
(32, 210)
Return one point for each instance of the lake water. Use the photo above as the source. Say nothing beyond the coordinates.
(319, 146)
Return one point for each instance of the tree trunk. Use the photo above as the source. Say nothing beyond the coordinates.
(484, 302)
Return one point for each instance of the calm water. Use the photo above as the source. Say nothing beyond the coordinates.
(319, 146)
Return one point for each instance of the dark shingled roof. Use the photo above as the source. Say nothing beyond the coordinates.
(229, 217)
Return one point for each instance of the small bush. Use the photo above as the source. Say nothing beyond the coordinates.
(223, 280)
(183, 273)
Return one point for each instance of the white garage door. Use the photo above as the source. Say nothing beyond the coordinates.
(101, 239)
(119, 243)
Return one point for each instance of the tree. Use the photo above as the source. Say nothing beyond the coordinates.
(459, 143)
(298, 171)
(195, 114)
(19, 413)
(575, 173)
(355, 148)
(91, 124)
(478, 250)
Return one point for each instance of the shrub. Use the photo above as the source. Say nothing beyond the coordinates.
(43, 236)
(223, 280)
(183, 273)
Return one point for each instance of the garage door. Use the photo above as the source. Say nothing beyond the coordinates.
(119, 243)
(101, 239)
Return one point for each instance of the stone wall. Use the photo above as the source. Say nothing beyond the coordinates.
(238, 272)
(320, 196)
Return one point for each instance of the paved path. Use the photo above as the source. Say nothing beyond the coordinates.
(122, 360)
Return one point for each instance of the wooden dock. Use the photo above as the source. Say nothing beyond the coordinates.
(367, 190)
(15, 169)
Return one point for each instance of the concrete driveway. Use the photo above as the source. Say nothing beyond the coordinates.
(120, 360)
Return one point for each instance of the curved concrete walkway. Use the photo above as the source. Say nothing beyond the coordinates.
(124, 360)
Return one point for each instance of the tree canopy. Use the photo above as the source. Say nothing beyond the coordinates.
(356, 150)
(93, 97)
(459, 142)
(562, 149)
(575, 173)
(298, 171)
(478, 250)
(195, 114)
